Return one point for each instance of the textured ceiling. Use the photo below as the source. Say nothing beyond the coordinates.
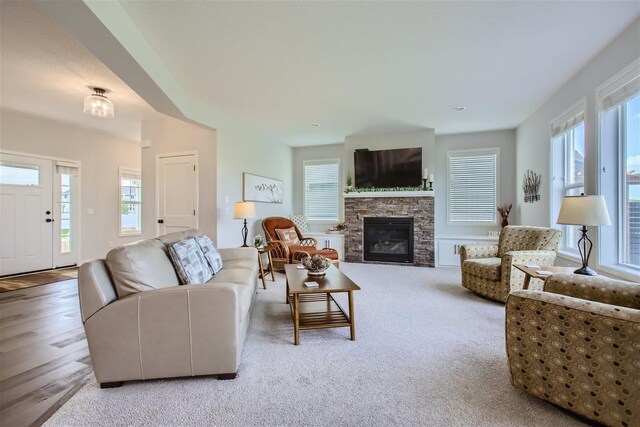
(46, 72)
(363, 67)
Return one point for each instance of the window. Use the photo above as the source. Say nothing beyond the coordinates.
(472, 188)
(567, 146)
(130, 202)
(65, 213)
(321, 190)
(619, 103)
(17, 174)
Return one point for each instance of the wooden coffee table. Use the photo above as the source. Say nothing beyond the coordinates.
(530, 273)
(315, 308)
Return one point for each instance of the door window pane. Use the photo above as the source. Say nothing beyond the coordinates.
(130, 202)
(16, 174)
(65, 213)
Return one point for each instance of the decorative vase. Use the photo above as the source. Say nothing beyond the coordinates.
(504, 223)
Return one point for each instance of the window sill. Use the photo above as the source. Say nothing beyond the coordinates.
(130, 234)
(620, 272)
(570, 256)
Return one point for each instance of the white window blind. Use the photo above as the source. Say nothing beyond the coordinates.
(321, 198)
(472, 189)
(626, 86)
(571, 119)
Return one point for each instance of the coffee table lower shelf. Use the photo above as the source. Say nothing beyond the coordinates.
(319, 311)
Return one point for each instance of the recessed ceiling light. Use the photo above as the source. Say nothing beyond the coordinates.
(315, 124)
(459, 108)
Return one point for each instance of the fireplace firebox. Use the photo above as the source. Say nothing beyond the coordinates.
(388, 239)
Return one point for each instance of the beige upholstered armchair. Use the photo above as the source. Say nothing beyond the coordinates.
(487, 269)
(292, 247)
(577, 345)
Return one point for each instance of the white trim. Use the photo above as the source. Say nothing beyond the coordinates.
(365, 194)
(619, 271)
(478, 151)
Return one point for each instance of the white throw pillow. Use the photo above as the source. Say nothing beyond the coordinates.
(190, 262)
(210, 252)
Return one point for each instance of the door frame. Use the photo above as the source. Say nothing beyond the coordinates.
(157, 184)
(56, 188)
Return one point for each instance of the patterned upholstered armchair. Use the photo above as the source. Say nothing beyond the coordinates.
(577, 345)
(290, 245)
(487, 269)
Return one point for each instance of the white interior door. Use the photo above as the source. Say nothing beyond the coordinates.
(177, 193)
(26, 214)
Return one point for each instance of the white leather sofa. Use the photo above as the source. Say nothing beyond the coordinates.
(141, 324)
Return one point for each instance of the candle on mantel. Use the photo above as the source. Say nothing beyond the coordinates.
(425, 174)
(431, 178)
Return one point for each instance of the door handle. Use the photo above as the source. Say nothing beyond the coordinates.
(48, 220)
(48, 212)
(161, 221)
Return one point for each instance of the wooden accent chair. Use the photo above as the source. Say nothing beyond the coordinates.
(292, 252)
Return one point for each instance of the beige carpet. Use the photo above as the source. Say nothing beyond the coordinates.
(428, 353)
(37, 279)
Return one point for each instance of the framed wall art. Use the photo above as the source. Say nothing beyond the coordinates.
(256, 188)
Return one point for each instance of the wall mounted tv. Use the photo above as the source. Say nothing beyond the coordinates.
(388, 168)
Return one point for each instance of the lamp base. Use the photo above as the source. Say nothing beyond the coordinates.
(244, 246)
(586, 271)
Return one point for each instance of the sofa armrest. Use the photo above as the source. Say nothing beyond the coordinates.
(229, 254)
(595, 288)
(478, 250)
(176, 331)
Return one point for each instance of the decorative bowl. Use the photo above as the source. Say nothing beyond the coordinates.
(316, 265)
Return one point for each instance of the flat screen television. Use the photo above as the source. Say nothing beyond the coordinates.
(388, 168)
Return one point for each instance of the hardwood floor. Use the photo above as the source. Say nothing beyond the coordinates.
(44, 358)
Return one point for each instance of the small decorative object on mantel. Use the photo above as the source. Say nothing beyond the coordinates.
(349, 181)
(376, 189)
(425, 177)
(531, 186)
(337, 229)
(258, 241)
(504, 211)
(256, 188)
(431, 182)
(316, 265)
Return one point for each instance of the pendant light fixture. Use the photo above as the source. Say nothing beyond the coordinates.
(98, 105)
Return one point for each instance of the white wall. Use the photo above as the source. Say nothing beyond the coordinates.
(169, 135)
(533, 135)
(100, 156)
(317, 152)
(424, 138)
(243, 150)
(505, 141)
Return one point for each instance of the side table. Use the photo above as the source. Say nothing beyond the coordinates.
(261, 251)
(531, 273)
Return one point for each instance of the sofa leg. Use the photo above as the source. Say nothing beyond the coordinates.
(227, 376)
(111, 385)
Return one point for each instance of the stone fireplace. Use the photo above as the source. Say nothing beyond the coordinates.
(400, 228)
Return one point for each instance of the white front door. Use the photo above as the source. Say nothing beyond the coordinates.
(26, 214)
(177, 193)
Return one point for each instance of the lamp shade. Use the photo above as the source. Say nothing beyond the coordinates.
(244, 210)
(584, 210)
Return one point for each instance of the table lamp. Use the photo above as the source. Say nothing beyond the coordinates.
(585, 211)
(244, 210)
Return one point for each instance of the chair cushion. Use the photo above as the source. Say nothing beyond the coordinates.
(526, 238)
(488, 268)
(289, 235)
(190, 263)
(270, 224)
(311, 251)
(140, 266)
(210, 252)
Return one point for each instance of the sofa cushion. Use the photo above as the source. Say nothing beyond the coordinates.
(140, 266)
(288, 235)
(191, 265)
(487, 268)
(241, 263)
(239, 276)
(210, 252)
